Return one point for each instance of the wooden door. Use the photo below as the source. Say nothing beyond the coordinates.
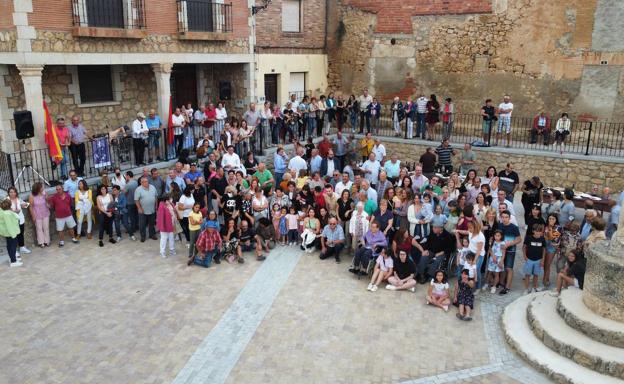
(184, 85)
(270, 88)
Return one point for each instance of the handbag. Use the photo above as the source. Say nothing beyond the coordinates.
(177, 228)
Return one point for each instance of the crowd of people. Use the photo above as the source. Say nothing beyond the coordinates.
(456, 230)
(429, 223)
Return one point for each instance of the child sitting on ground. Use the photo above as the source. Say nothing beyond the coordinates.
(384, 267)
(438, 293)
(534, 250)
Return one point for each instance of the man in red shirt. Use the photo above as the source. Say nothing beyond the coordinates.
(62, 133)
(324, 147)
(61, 203)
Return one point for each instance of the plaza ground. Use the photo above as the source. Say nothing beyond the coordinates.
(122, 314)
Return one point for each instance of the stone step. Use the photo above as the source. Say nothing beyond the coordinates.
(520, 336)
(549, 327)
(576, 314)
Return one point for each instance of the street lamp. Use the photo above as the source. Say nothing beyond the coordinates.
(257, 8)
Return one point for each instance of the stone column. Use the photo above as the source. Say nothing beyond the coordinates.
(162, 72)
(250, 82)
(33, 94)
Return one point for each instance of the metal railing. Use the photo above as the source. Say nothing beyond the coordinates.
(126, 14)
(204, 16)
(586, 138)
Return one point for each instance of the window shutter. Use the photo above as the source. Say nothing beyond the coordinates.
(291, 16)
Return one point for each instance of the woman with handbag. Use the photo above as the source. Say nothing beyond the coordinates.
(105, 215)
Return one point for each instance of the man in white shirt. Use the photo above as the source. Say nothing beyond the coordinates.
(421, 114)
(501, 199)
(371, 193)
(365, 100)
(371, 169)
(504, 119)
(343, 184)
(221, 116)
(139, 137)
(418, 179)
(178, 123)
(297, 163)
(231, 161)
(380, 151)
(505, 207)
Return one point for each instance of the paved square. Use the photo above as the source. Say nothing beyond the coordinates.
(121, 314)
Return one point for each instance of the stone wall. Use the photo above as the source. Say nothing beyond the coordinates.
(538, 52)
(235, 74)
(7, 41)
(58, 41)
(138, 94)
(553, 170)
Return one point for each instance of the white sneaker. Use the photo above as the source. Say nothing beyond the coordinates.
(188, 246)
(485, 287)
(118, 239)
(391, 287)
(413, 289)
(24, 250)
(476, 292)
(493, 290)
(133, 238)
(17, 254)
(374, 289)
(164, 256)
(18, 263)
(540, 289)
(370, 286)
(172, 253)
(446, 308)
(527, 291)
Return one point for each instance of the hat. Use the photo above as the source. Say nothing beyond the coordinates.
(141, 115)
(212, 224)
(60, 117)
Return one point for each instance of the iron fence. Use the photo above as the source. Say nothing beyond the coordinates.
(204, 16)
(127, 14)
(600, 138)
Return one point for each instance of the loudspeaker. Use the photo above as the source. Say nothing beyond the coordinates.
(24, 128)
(225, 90)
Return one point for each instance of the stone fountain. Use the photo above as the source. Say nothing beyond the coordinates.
(577, 337)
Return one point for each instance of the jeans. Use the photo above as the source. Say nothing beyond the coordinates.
(410, 128)
(132, 219)
(479, 277)
(353, 119)
(179, 142)
(64, 162)
(117, 219)
(11, 244)
(146, 222)
(421, 128)
(278, 178)
(20, 236)
(447, 129)
(293, 235)
(311, 126)
(193, 235)
(106, 224)
(79, 157)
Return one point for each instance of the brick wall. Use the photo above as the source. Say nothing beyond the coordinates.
(161, 16)
(6, 16)
(269, 27)
(395, 16)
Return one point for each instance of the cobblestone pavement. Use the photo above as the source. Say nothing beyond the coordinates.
(121, 314)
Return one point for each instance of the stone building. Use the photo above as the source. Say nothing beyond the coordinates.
(108, 59)
(560, 55)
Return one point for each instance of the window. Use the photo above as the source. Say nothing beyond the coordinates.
(297, 84)
(291, 16)
(96, 83)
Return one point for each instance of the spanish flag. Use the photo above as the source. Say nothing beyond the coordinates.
(50, 137)
(170, 122)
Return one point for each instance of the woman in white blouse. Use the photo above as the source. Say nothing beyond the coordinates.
(562, 130)
(84, 203)
(221, 116)
(17, 206)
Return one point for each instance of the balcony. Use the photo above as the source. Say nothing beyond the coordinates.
(109, 18)
(204, 20)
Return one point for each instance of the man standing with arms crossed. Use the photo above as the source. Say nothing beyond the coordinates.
(504, 119)
(78, 136)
